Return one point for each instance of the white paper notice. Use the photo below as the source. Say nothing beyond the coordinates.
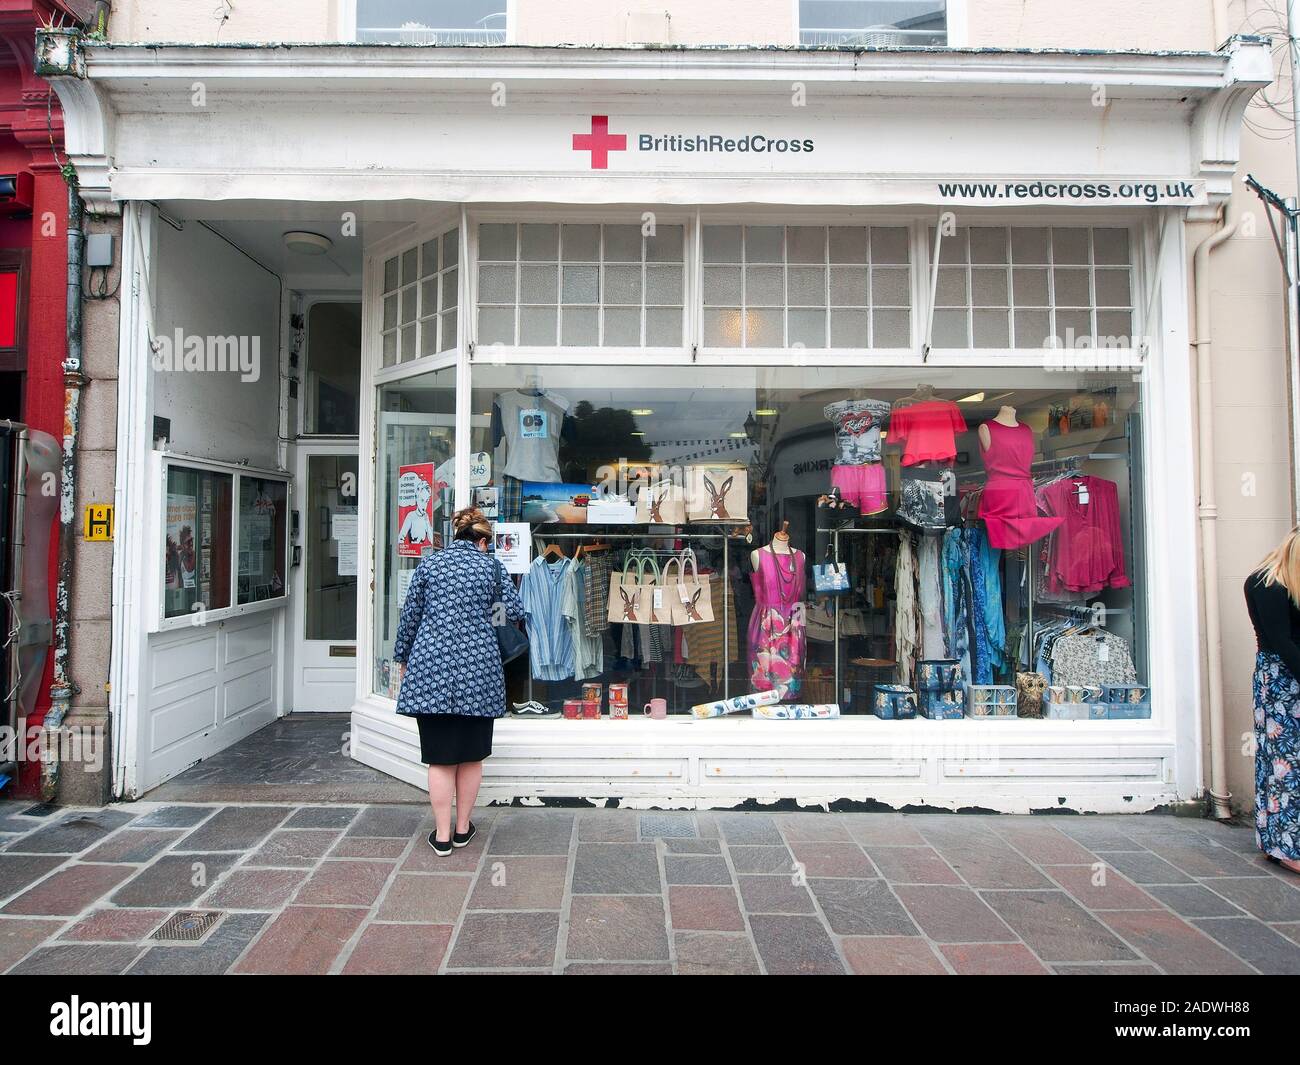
(512, 543)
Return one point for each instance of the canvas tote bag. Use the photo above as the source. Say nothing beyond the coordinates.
(625, 594)
(717, 493)
(692, 598)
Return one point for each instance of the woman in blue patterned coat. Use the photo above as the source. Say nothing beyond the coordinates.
(452, 682)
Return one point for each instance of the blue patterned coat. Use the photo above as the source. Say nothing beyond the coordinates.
(446, 638)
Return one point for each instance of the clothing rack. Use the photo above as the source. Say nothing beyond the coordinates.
(724, 571)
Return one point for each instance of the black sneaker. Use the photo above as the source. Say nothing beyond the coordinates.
(441, 848)
(461, 839)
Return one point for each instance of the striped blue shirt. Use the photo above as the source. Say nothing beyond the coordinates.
(550, 640)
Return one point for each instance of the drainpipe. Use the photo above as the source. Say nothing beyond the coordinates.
(62, 690)
(1208, 515)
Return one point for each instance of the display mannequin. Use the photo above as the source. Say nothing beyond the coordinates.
(777, 633)
(857, 471)
(926, 426)
(1005, 416)
(1008, 505)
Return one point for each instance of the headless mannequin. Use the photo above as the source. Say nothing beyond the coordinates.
(923, 394)
(1006, 416)
(780, 545)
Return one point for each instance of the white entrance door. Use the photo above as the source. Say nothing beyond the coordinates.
(325, 615)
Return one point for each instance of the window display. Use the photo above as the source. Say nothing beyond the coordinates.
(196, 551)
(671, 539)
(263, 522)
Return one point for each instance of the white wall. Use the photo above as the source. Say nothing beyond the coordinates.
(206, 288)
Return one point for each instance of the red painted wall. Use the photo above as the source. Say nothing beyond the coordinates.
(31, 138)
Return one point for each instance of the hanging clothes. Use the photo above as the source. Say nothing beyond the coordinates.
(927, 430)
(588, 649)
(986, 580)
(907, 633)
(1088, 549)
(777, 635)
(957, 596)
(1094, 658)
(933, 642)
(550, 638)
(1007, 504)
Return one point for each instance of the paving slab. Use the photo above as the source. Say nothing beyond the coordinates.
(616, 928)
(72, 833)
(861, 908)
(69, 891)
(521, 882)
(616, 869)
(891, 956)
(399, 949)
(1256, 943)
(173, 880)
(532, 832)
(715, 909)
(303, 940)
(953, 914)
(234, 828)
(795, 945)
(506, 940)
(711, 954)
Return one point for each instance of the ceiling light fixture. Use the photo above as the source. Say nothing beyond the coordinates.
(301, 242)
(766, 412)
(642, 412)
(974, 397)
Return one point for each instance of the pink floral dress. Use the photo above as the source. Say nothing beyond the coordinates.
(777, 630)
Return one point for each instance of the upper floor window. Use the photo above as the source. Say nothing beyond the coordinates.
(431, 21)
(873, 23)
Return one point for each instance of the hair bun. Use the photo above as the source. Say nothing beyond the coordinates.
(468, 516)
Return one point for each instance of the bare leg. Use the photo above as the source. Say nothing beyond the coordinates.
(442, 787)
(469, 775)
(1291, 864)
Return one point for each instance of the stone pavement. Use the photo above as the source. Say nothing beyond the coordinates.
(356, 889)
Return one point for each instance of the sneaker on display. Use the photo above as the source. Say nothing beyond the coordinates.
(533, 708)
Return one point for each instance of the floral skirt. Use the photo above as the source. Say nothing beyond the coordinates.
(1277, 757)
(776, 650)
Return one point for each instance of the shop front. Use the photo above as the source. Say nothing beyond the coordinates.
(841, 451)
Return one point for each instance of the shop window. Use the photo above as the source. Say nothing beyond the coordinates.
(197, 541)
(580, 285)
(421, 299)
(873, 23)
(263, 510)
(807, 287)
(431, 21)
(1034, 287)
(741, 458)
(414, 496)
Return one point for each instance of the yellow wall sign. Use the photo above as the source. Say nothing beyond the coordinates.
(99, 521)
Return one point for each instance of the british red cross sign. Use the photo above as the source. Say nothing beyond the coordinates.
(600, 142)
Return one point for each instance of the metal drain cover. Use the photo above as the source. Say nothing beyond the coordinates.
(187, 926)
(668, 826)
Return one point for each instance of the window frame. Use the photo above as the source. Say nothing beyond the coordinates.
(237, 472)
(347, 25)
(954, 27)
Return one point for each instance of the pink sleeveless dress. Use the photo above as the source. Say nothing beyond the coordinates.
(776, 627)
(1007, 506)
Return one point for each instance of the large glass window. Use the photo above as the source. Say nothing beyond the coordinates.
(807, 287)
(431, 21)
(873, 23)
(990, 520)
(580, 285)
(333, 369)
(414, 496)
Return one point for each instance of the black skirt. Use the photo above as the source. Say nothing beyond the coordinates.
(449, 739)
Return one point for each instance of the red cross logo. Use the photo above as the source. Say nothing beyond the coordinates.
(600, 142)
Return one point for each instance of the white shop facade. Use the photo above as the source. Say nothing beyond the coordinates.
(574, 268)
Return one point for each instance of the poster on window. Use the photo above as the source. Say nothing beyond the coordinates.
(512, 543)
(418, 490)
(182, 513)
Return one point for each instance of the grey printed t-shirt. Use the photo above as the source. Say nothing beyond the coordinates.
(530, 426)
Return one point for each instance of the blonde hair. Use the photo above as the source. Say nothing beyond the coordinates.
(470, 524)
(1282, 566)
